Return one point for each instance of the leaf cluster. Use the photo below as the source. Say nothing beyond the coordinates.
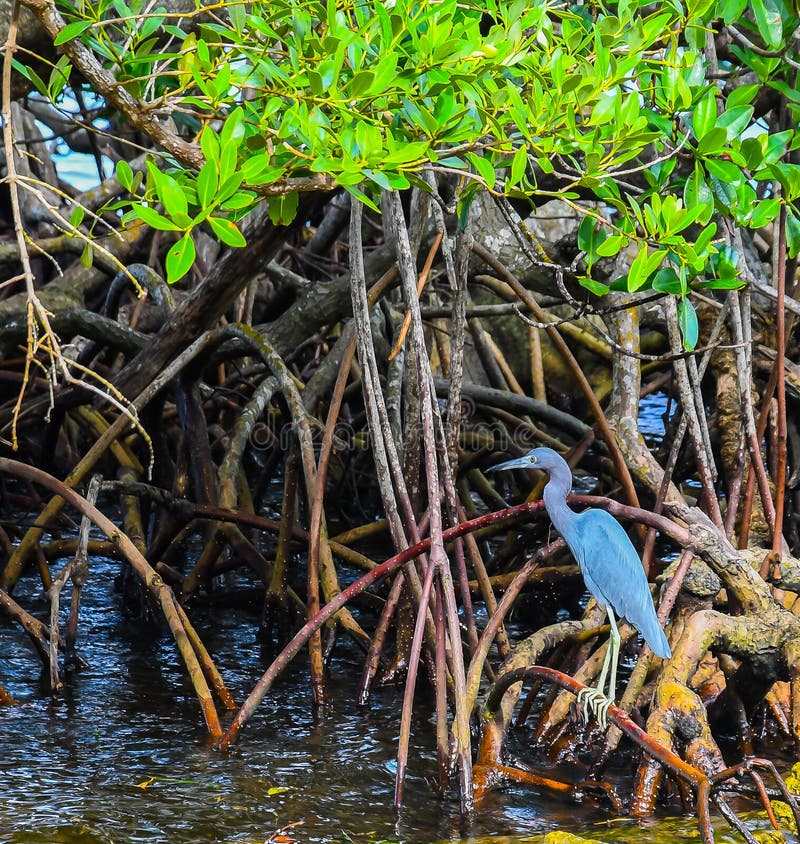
(609, 101)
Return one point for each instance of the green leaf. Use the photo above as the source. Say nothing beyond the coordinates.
(238, 16)
(180, 258)
(207, 184)
(643, 267)
(518, 165)
(735, 120)
(153, 218)
(87, 256)
(593, 286)
(77, 215)
(763, 66)
(315, 83)
(764, 213)
(407, 153)
(776, 146)
(725, 193)
(59, 76)
(725, 171)
(228, 156)
(713, 141)
(209, 143)
(150, 26)
(71, 30)
(704, 239)
(789, 177)
(233, 130)
(590, 235)
(704, 116)
(259, 169)
(690, 327)
(611, 245)
(731, 10)
(769, 22)
(125, 175)
(169, 191)
(484, 168)
(605, 108)
(240, 200)
(464, 203)
(636, 277)
(720, 284)
(356, 192)
(658, 122)
(229, 186)
(792, 233)
(743, 95)
(32, 75)
(753, 152)
(385, 73)
(666, 280)
(387, 181)
(361, 83)
(282, 209)
(726, 263)
(227, 232)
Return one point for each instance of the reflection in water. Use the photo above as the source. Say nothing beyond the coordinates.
(652, 417)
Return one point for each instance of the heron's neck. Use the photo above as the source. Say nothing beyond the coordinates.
(555, 501)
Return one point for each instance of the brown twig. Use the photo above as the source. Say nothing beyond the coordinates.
(421, 282)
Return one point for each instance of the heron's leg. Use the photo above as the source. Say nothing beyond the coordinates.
(590, 698)
(599, 703)
(601, 680)
(613, 645)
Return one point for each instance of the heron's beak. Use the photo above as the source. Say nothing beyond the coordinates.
(518, 463)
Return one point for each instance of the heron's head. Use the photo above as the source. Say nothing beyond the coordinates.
(539, 458)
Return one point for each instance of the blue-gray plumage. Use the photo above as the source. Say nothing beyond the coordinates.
(608, 561)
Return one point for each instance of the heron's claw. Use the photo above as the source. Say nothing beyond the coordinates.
(595, 702)
(600, 709)
(586, 701)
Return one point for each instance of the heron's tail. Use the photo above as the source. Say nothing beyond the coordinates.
(656, 638)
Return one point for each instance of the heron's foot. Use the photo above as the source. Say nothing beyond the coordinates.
(594, 702)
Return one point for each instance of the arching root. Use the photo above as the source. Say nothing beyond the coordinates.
(705, 787)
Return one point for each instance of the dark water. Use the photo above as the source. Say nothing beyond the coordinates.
(653, 410)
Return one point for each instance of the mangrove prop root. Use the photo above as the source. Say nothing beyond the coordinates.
(706, 788)
(160, 591)
(379, 637)
(489, 776)
(520, 511)
(186, 510)
(365, 581)
(38, 632)
(77, 569)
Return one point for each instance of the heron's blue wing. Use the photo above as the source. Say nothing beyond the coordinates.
(614, 574)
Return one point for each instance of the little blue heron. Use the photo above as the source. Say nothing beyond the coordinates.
(609, 565)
